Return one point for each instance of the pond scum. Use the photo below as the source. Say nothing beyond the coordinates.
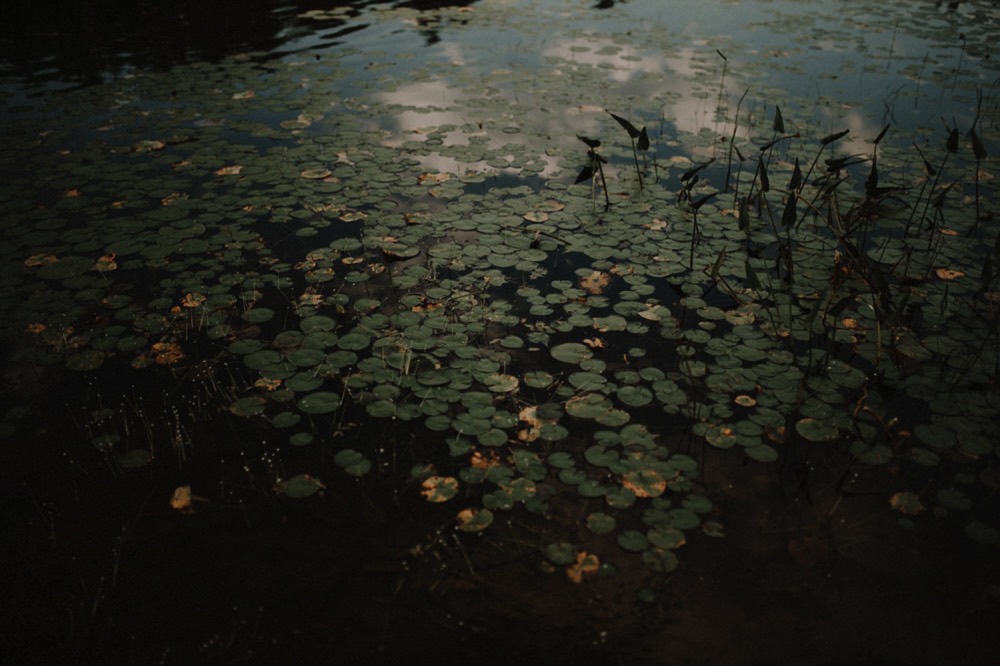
(483, 313)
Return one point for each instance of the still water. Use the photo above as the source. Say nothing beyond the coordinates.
(500, 331)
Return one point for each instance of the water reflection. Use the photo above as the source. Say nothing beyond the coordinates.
(94, 41)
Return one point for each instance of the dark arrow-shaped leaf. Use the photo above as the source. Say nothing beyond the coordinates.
(830, 138)
(629, 127)
(977, 146)
(643, 142)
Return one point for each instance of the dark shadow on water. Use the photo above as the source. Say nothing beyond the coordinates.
(90, 41)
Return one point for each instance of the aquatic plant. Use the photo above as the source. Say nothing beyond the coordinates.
(639, 139)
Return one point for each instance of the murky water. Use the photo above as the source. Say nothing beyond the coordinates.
(327, 336)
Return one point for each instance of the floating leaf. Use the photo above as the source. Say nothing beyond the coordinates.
(586, 564)
(561, 553)
(135, 458)
(316, 174)
(299, 486)
(500, 383)
(249, 406)
(474, 520)
(907, 503)
(167, 353)
(439, 488)
(645, 482)
(720, 436)
(816, 430)
(86, 360)
(953, 499)
(182, 500)
(660, 560)
(600, 523)
(633, 541)
(352, 462)
(982, 533)
(321, 402)
(713, 529)
(666, 536)
(948, 273)
(106, 263)
(596, 282)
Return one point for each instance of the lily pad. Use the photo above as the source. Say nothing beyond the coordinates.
(249, 406)
(571, 352)
(660, 560)
(633, 541)
(817, 431)
(321, 402)
(474, 519)
(600, 523)
(561, 553)
(300, 486)
(666, 536)
(982, 533)
(353, 462)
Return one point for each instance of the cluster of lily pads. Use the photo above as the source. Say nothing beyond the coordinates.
(543, 341)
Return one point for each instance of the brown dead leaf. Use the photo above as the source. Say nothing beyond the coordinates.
(106, 263)
(596, 282)
(948, 273)
(167, 353)
(586, 565)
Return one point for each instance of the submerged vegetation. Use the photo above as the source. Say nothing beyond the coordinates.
(411, 288)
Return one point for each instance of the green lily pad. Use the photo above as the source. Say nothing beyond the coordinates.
(600, 523)
(354, 341)
(720, 436)
(561, 460)
(817, 431)
(500, 383)
(299, 486)
(764, 453)
(561, 553)
(982, 533)
(135, 458)
(321, 402)
(86, 360)
(633, 541)
(953, 499)
(571, 352)
(878, 454)
(352, 462)
(635, 396)
(666, 536)
(249, 406)
(259, 315)
(301, 439)
(538, 379)
(713, 529)
(474, 519)
(660, 560)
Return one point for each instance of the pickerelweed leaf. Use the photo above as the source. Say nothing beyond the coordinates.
(629, 127)
(830, 138)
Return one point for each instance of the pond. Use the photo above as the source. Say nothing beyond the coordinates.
(558, 332)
